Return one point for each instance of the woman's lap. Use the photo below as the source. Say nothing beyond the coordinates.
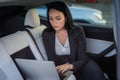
(90, 72)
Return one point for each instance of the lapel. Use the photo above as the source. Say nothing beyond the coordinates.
(72, 44)
(52, 44)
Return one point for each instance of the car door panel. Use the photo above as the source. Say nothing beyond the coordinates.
(100, 40)
(96, 46)
(99, 32)
(101, 48)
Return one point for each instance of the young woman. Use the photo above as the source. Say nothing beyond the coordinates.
(66, 46)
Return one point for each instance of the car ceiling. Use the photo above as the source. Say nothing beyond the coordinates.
(23, 2)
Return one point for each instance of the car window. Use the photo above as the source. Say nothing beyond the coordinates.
(105, 6)
(94, 13)
(42, 11)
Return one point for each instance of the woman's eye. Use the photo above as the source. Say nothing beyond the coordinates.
(58, 18)
(50, 19)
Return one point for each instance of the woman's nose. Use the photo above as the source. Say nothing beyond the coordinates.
(54, 22)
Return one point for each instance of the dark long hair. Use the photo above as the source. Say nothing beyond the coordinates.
(61, 6)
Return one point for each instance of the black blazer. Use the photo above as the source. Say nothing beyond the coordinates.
(77, 43)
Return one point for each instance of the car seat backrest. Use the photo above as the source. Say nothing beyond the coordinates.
(32, 19)
(2, 75)
(20, 45)
(8, 70)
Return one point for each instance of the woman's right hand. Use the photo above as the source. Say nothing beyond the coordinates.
(63, 68)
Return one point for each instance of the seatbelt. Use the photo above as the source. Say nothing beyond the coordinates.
(35, 43)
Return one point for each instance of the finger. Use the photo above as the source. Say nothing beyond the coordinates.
(66, 68)
(59, 69)
(63, 71)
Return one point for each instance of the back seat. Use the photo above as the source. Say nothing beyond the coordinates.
(8, 70)
(32, 20)
(19, 45)
(16, 45)
(2, 75)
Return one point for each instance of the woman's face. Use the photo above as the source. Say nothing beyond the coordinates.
(57, 19)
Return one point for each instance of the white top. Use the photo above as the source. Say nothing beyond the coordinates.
(60, 49)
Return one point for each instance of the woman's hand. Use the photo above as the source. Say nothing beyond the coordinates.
(63, 68)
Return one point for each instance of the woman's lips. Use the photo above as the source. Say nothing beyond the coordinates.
(55, 26)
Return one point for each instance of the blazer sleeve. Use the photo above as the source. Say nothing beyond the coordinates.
(81, 55)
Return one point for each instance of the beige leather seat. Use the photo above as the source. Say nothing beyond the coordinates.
(32, 19)
(8, 70)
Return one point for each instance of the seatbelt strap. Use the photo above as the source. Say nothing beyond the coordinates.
(35, 43)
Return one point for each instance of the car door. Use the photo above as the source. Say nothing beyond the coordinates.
(101, 48)
(100, 40)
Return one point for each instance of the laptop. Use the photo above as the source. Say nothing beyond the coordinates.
(37, 70)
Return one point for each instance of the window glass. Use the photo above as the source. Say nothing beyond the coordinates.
(94, 12)
(104, 6)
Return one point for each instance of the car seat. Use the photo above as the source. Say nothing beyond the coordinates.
(8, 70)
(35, 29)
(32, 19)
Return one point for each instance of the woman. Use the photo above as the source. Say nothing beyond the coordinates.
(66, 46)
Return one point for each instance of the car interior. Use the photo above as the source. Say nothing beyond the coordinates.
(21, 45)
(20, 37)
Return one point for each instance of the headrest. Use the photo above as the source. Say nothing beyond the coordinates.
(32, 18)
